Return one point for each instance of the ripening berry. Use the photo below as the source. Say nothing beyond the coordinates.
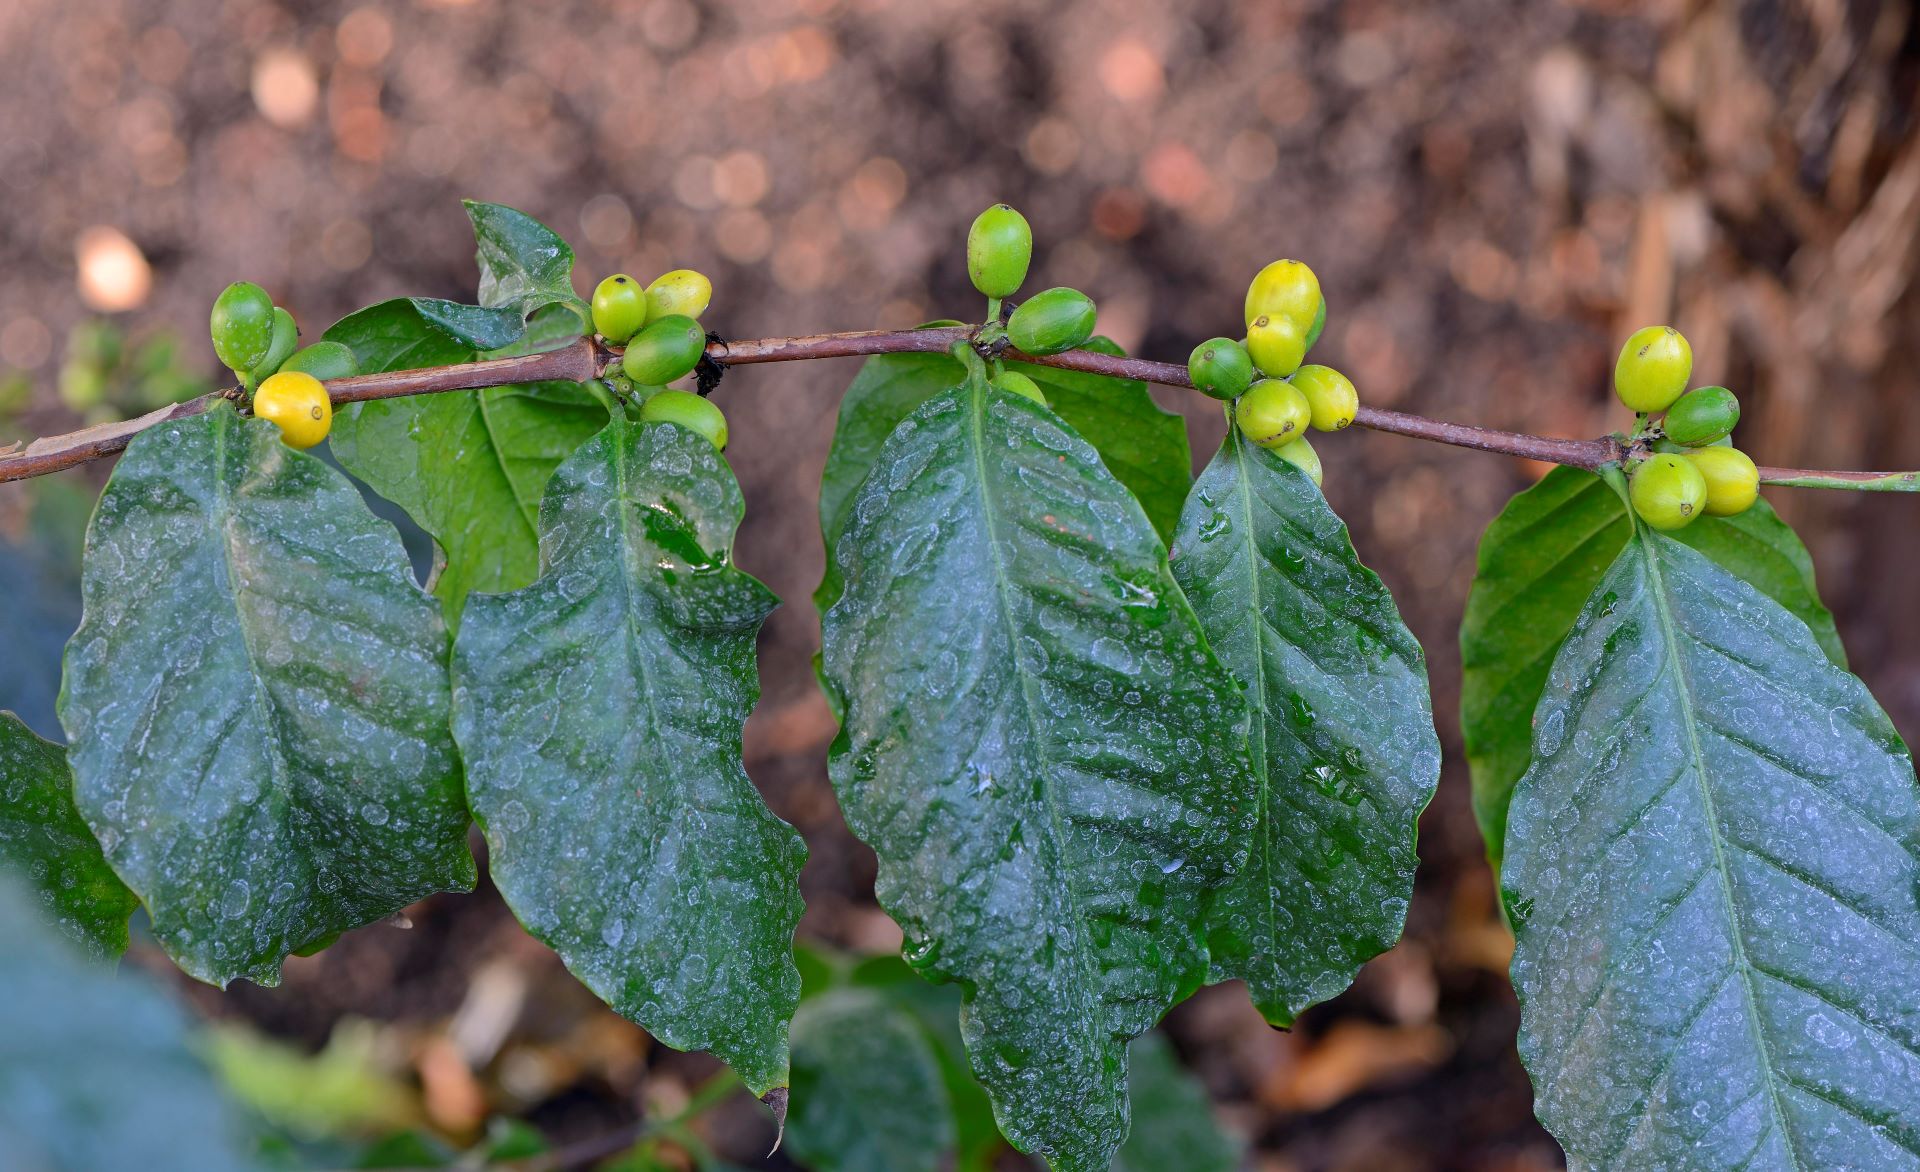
(1285, 288)
(682, 291)
(690, 411)
(1653, 368)
(1020, 384)
(298, 405)
(1220, 367)
(1319, 324)
(1301, 454)
(1330, 394)
(242, 325)
(999, 248)
(1272, 413)
(1733, 483)
(1276, 345)
(286, 337)
(664, 351)
(323, 360)
(1051, 321)
(1667, 491)
(1701, 416)
(619, 308)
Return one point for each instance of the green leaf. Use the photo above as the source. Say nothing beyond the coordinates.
(257, 701)
(1539, 561)
(45, 842)
(524, 265)
(95, 1072)
(468, 466)
(599, 711)
(1173, 1123)
(1038, 745)
(1711, 874)
(867, 1090)
(1343, 737)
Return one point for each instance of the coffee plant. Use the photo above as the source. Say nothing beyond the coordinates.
(1114, 732)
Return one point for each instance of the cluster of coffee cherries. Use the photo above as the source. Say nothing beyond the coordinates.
(657, 329)
(1052, 321)
(1685, 463)
(1276, 393)
(260, 342)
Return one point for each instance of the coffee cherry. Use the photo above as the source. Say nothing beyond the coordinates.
(1276, 345)
(619, 308)
(297, 404)
(1652, 369)
(1272, 413)
(324, 361)
(1019, 384)
(1701, 416)
(1319, 324)
(1301, 454)
(1330, 394)
(999, 248)
(682, 291)
(286, 337)
(689, 411)
(1220, 367)
(242, 325)
(1667, 491)
(1733, 483)
(1051, 321)
(1285, 288)
(664, 351)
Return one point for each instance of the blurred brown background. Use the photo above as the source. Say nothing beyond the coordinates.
(1494, 192)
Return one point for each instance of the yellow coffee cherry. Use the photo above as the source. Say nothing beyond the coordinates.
(1653, 368)
(682, 291)
(1733, 483)
(1330, 394)
(296, 403)
(1300, 453)
(1277, 345)
(1272, 413)
(619, 308)
(1667, 491)
(1285, 288)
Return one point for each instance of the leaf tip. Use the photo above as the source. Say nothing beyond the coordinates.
(776, 1101)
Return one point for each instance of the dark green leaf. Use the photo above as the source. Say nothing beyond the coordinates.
(1539, 561)
(1711, 873)
(524, 265)
(977, 1138)
(1343, 738)
(257, 701)
(867, 1091)
(1173, 1124)
(95, 1071)
(1048, 761)
(600, 712)
(468, 466)
(45, 842)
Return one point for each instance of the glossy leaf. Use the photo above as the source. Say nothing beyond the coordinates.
(468, 466)
(600, 713)
(1343, 739)
(867, 1089)
(1539, 561)
(1711, 873)
(44, 841)
(1048, 761)
(524, 265)
(95, 1069)
(256, 701)
(1173, 1123)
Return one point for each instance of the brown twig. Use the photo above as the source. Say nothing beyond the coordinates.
(584, 359)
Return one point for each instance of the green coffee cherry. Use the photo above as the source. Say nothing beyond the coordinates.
(1052, 321)
(242, 325)
(1319, 324)
(1220, 367)
(1272, 413)
(1020, 384)
(689, 411)
(1276, 345)
(324, 360)
(664, 351)
(1301, 454)
(1285, 288)
(619, 308)
(1702, 416)
(1733, 483)
(999, 248)
(286, 337)
(1330, 394)
(681, 291)
(1652, 369)
(1667, 491)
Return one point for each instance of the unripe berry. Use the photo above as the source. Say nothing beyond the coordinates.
(1285, 288)
(690, 411)
(1652, 369)
(1277, 345)
(1319, 324)
(1667, 491)
(1733, 483)
(298, 405)
(1051, 321)
(1220, 367)
(1301, 454)
(323, 360)
(664, 351)
(242, 325)
(1330, 394)
(682, 291)
(286, 338)
(1702, 416)
(619, 308)
(999, 249)
(1020, 384)
(1272, 413)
